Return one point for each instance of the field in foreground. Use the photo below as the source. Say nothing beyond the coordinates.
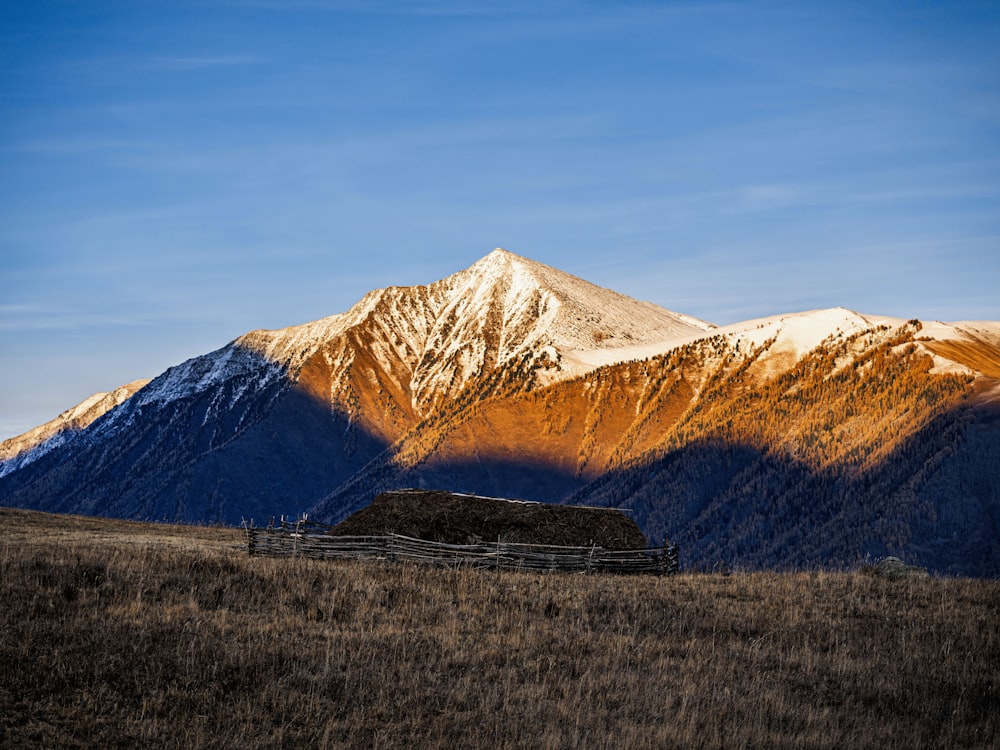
(117, 634)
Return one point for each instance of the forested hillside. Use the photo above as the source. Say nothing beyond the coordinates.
(859, 450)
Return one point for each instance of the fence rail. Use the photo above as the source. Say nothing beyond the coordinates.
(312, 540)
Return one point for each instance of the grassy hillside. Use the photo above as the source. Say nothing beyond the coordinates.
(121, 634)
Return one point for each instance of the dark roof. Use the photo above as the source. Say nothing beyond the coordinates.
(454, 518)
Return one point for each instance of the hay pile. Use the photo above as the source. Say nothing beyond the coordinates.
(440, 516)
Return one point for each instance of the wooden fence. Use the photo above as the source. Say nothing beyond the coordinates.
(312, 540)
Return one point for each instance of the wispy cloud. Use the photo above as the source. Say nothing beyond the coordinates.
(71, 144)
(769, 197)
(25, 318)
(8, 311)
(401, 7)
(200, 63)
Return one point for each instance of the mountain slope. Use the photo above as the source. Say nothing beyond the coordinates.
(860, 449)
(32, 445)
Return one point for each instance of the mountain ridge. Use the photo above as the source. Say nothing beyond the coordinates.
(22, 449)
(514, 378)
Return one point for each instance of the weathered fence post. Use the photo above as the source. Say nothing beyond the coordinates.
(671, 558)
(295, 537)
(248, 530)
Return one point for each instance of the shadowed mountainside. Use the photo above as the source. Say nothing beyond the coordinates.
(232, 451)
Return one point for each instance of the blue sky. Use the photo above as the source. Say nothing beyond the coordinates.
(174, 174)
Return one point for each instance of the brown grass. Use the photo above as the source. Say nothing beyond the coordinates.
(119, 635)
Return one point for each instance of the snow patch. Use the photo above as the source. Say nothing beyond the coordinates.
(200, 374)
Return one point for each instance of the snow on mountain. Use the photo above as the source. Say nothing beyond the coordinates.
(576, 314)
(776, 343)
(32, 445)
(200, 374)
(502, 309)
(793, 334)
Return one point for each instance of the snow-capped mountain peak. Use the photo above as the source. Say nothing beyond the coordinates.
(432, 341)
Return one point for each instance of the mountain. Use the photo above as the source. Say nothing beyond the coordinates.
(23, 449)
(799, 440)
(276, 420)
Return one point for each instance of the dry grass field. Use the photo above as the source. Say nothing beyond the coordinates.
(115, 634)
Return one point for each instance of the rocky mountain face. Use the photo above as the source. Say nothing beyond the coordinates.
(801, 440)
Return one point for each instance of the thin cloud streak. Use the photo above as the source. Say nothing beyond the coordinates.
(200, 63)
